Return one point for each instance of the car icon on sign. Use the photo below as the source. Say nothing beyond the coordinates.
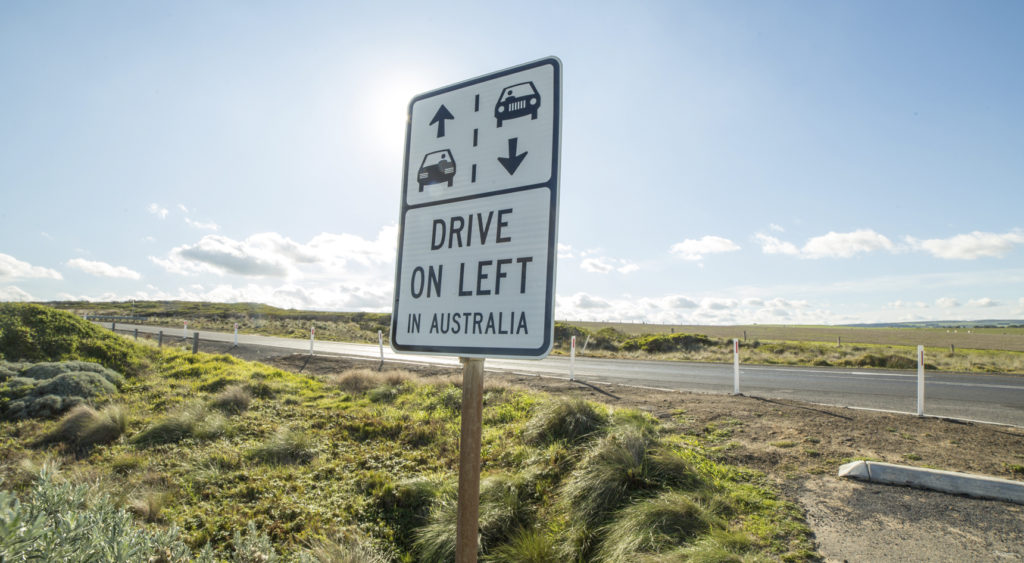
(516, 101)
(437, 167)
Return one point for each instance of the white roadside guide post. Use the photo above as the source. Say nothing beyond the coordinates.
(184, 331)
(475, 273)
(236, 335)
(572, 359)
(312, 334)
(735, 366)
(380, 342)
(920, 380)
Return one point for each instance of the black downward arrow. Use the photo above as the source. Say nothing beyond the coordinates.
(512, 162)
(439, 118)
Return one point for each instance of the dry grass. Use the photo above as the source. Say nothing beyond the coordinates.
(358, 381)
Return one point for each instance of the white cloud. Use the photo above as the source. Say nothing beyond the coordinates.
(182, 207)
(947, 302)
(564, 251)
(160, 212)
(845, 245)
(327, 256)
(695, 249)
(211, 226)
(680, 302)
(103, 269)
(604, 265)
(900, 304)
(596, 265)
(13, 293)
(584, 301)
(772, 245)
(969, 246)
(718, 304)
(776, 228)
(983, 302)
(12, 269)
(753, 302)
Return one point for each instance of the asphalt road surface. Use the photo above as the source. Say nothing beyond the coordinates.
(986, 398)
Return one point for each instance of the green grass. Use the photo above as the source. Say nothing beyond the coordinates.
(363, 467)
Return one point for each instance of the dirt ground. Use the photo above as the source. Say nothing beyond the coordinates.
(800, 446)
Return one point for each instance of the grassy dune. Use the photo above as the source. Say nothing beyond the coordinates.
(211, 458)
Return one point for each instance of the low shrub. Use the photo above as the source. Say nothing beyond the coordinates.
(60, 521)
(48, 389)
(662, 343)
(36, 333)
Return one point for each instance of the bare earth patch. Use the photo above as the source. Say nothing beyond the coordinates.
(800, 446)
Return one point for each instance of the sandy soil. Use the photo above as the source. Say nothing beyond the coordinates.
(801, 446)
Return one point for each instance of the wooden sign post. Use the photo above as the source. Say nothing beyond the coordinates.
(466, 543)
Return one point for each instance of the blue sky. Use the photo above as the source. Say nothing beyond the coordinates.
(722, 162)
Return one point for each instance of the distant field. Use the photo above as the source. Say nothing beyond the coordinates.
(1010, 339)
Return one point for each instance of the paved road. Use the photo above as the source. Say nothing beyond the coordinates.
(989, 398)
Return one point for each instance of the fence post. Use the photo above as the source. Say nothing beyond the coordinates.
(195, 342)
(160, 340)
(136, 334)
(585, 342)
(920, 380)
(735, 366)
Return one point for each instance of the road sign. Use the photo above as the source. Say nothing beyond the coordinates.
(475, 274)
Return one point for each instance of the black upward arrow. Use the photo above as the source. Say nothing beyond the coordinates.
(512, 162)
(439, 117)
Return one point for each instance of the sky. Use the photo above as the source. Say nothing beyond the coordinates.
(723, 162)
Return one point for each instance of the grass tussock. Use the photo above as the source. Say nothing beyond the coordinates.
(149, 506)
(359, 381)
(232, 400)
(568, 420)
(286, 446)
(192, 420)
(654, 525)
(527, 546)
(84, 427)
(348, 548)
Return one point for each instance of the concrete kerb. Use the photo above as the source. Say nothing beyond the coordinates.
(977, 486)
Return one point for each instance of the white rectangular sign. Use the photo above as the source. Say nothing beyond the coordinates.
(475, 274)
